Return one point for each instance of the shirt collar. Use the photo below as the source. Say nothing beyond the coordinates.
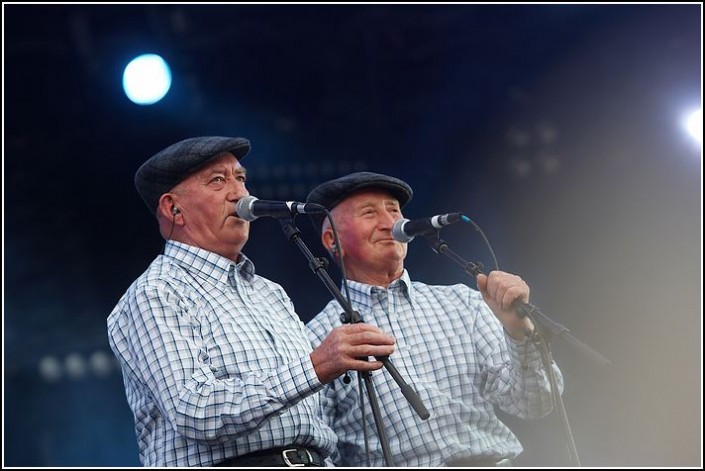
(208, 264)
(403, 284)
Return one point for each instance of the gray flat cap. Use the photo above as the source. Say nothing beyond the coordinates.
(331, 193)
(165, 169)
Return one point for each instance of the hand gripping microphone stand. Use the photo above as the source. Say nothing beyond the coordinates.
(544, 327)
(317, 265)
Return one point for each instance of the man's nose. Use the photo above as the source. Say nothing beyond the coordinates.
(388, 219)
(237, 190)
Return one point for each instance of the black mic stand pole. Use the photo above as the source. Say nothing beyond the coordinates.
(317, 266)
(544, 325)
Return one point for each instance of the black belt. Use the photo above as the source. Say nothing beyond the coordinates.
(479, 463)
(291, 456)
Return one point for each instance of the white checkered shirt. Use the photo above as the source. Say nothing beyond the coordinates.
(215, 362)
(453, 351)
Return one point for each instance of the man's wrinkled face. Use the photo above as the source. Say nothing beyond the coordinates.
(364, 221)
(207, 199)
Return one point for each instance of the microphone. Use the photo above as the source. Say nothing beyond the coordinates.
(250, 208)
(405, 230)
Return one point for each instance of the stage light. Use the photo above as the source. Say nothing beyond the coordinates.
(50, 369)
(694, 124)
(75, 366)
(146, 79)
(101, 363)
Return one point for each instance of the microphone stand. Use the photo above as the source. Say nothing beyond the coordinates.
(544, 328)
(317, 265)
(524, 309)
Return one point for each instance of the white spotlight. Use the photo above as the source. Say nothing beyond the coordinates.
(101, 364)
(50, 369)
(695, 125)
(75, 366)
(146, 79)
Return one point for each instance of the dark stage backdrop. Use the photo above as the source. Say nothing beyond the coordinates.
(556, 128)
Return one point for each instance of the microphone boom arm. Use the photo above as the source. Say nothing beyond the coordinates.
(542, 323)
(523, 309)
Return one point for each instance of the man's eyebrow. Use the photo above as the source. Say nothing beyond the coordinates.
(365, 204)
(224, 169)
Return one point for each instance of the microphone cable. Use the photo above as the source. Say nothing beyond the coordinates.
(484, 238)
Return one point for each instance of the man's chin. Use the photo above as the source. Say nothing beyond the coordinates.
(394, 253)
(239, 233)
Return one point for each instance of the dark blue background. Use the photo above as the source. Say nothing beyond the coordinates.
(556, 128)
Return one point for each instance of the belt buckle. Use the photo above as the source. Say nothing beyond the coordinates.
(295, 465)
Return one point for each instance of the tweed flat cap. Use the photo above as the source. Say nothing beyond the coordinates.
(165, 169)
(331, 193)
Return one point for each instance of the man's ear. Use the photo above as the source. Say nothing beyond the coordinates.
(167, 206)
(328, 240)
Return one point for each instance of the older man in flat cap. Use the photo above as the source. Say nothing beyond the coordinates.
(465, 351)
(217, 366)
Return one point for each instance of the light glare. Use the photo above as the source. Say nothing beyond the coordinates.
(146, 79)
(695, 125)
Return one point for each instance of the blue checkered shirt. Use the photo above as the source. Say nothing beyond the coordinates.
(215, 362)
(453, 351)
